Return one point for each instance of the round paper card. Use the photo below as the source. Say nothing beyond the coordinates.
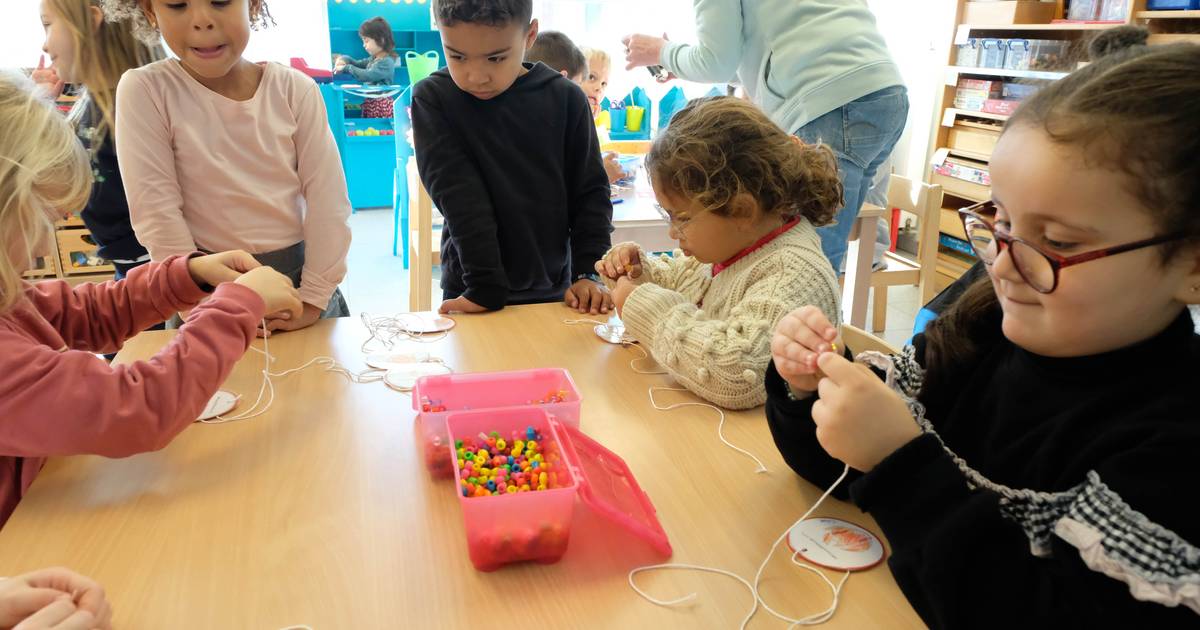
(405, 376)
(220, 404)
(419, 323)
(389, 359)
(835, 544)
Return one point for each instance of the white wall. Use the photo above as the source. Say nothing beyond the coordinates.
(302, 31)
(918, 34)
(20, 33)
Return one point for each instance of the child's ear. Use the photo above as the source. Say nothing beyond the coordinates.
(1189, 292)
(744, 208)
(531, 34)
(564, 73)
(148, 12)
(97, 17)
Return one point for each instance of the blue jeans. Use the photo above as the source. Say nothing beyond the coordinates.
(862, 134)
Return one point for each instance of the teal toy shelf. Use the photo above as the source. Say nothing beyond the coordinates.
(412, 28)
(369, 146)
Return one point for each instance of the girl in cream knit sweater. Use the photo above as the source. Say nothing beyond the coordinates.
(743, 198)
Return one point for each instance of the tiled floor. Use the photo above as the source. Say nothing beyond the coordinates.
(377, 282)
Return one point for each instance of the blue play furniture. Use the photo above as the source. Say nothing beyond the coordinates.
(369, 160)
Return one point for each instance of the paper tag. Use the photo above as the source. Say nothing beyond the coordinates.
(388, 360)
(405, 376)
(835, 544)
(220, 404)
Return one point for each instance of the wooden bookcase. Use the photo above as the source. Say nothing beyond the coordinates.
(965, 136)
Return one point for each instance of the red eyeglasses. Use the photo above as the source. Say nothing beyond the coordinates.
(1040, 269)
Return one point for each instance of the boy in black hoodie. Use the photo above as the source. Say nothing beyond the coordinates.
(509, 156)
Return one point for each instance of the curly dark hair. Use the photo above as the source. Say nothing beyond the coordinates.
(489, 12)
(719, 147)
(134, 12)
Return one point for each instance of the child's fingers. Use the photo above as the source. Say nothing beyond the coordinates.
(819, 323)
(635, 270)
(49, 616)
(80, 620)
(838, 369)
(796, 330)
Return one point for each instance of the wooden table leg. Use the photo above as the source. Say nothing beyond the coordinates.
(858, 273)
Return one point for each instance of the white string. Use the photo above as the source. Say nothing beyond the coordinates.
(370, 375)
(627, 342)
(815, 619)
(385, 329)
(645, 356)
(720, 427)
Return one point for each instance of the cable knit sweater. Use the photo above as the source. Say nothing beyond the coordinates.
(713, 334)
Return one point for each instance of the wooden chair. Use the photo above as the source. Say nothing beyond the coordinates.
(859, 340)
(425, 245)
(924, 201)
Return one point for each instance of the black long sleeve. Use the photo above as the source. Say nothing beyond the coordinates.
(1068, 503)
(520, 181)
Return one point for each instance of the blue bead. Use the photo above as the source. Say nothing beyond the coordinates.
(535, 464)
(465, 493)
(491, 485)
(510, 460)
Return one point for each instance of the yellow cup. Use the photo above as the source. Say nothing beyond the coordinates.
(603, 119)
(633, 117)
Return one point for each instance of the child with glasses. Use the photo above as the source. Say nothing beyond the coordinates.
(743, 199)
(1030, 456)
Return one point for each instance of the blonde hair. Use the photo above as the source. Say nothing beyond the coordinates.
(102, 55)
(134, 12)
(596, 57)
(719, 147)
(42, 167)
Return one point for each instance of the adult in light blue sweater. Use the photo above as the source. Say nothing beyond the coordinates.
(819, 68)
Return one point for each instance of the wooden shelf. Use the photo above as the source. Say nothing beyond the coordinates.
(1064, 26)
(952, 73)
(1167, 15)
(951, 113)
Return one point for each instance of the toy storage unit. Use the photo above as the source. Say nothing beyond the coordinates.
(367, 145)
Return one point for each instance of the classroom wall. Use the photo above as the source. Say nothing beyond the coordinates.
(302, 31)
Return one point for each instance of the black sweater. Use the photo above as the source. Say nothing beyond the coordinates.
(520, 181)
(107, 212)
(1110, 439)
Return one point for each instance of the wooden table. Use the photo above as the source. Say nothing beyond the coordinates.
(320, 512)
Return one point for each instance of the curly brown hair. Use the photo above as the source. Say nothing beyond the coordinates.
(719, 147)
(134, 12)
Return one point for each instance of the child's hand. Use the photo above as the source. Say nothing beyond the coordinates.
(47, 79)
(620, 294)
(285, 321)
(802, 336)
(623, 259)
(274, 288)
(33, 601)
(587, 296)
(612, 167)
(860, 421)
(223, 267)
(460, 305)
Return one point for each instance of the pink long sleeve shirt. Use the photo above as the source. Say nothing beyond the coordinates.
(202, 171)
(57, 398)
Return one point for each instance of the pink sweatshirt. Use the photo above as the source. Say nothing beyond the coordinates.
(57, 398)
(202, 171)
